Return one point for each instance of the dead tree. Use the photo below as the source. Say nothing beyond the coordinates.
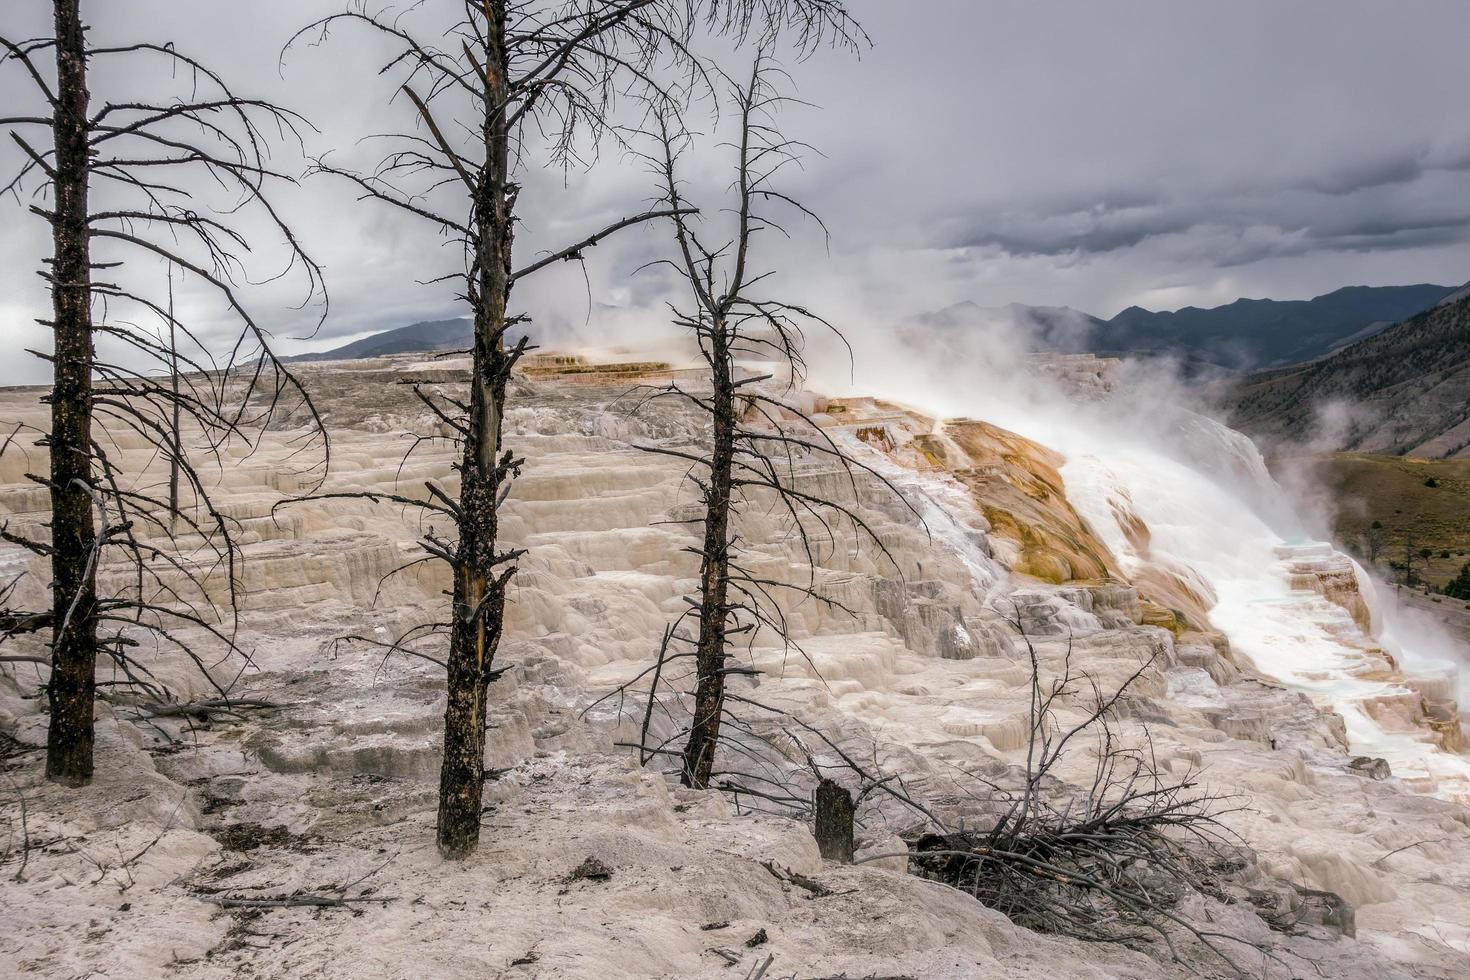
(757, 438)
(129, 180)
(506, 83)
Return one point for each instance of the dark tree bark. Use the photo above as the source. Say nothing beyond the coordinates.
(73, 532)
(714, 579)
(834, 812)
(479, 589)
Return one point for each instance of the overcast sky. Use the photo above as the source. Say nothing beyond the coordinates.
(1091, 153)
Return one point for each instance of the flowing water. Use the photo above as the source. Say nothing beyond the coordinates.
(1294, 635)
(1219, 522)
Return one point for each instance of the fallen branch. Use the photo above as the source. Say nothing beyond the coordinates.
(786, 875)
(200, 709)
(305, 899)
(730, 958)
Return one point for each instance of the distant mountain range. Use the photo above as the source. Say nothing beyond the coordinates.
(1404, 390)
(430, 335)
(1249, 334)
(1245, 335)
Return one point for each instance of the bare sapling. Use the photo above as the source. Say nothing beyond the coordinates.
(758, 445)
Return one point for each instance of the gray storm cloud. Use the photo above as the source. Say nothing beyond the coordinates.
(1067, 153)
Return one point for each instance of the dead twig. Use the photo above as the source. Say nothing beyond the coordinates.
(25, 832)
(1400, 850)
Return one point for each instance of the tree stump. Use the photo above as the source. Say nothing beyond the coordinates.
(834, 811)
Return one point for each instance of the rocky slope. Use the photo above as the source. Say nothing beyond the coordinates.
(1415, 503)
(1254, 333)
(1403, 391)
(429, 335)
(330, 791)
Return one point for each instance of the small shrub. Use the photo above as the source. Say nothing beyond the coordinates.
(1459, 588)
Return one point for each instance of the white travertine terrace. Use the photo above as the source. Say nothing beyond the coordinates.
(1258, 669)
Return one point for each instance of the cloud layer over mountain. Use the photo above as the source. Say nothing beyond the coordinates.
(1094, 155)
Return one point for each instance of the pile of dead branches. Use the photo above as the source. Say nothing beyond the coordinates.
(1108, 861)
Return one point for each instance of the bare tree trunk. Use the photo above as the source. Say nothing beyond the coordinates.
(479, 593)
(73, 534)
(833, 810)
(714, 607)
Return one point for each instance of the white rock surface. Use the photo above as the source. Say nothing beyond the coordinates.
(335, 788)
